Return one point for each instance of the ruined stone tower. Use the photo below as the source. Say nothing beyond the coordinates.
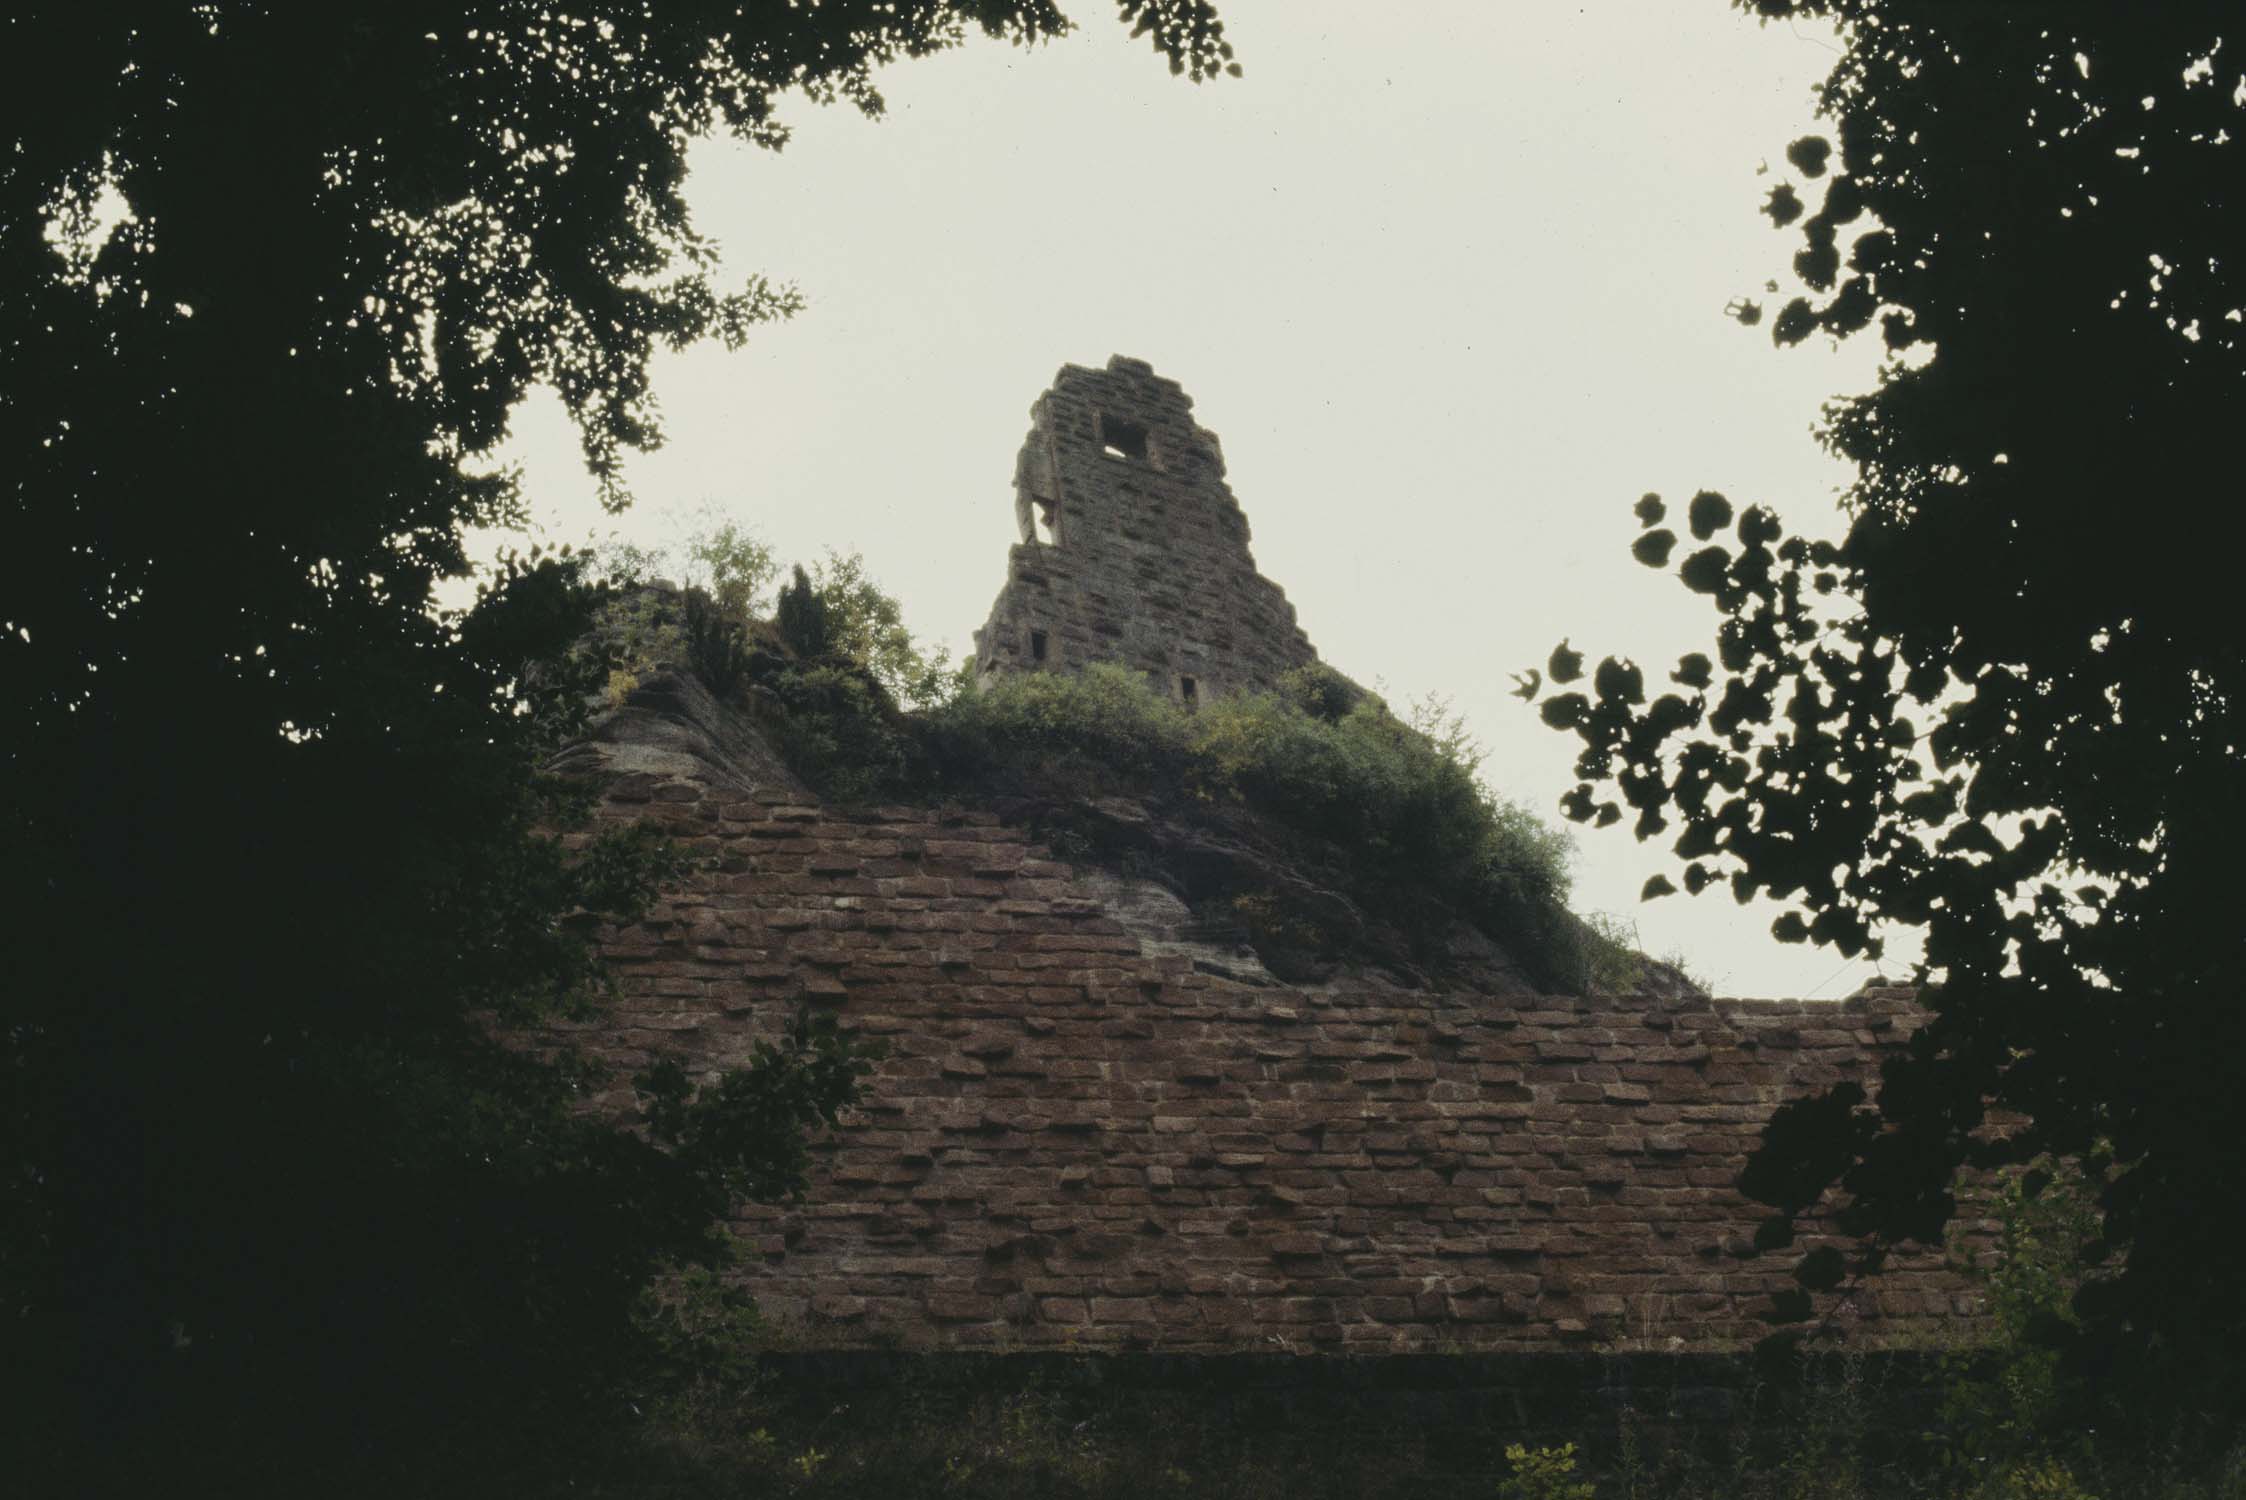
(1133, 549)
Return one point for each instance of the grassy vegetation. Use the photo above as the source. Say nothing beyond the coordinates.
(1834, 1428)
(1390, 807)
(1405, 826)
(1420, 837)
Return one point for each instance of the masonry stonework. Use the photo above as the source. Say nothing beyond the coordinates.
(1074, 1143)
(1133, 549)
(1090, 1135)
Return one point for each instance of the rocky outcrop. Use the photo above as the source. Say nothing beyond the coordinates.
(670, 730)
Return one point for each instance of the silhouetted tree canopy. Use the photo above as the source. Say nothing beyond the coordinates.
(2003, 710)
(274, 827)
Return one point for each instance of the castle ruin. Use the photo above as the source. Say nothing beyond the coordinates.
(1091, 1132)
(1133, 549)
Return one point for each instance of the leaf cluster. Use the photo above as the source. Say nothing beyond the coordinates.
(742, 1130)
(802, 618)
(2001, 710)
(1542, 1473)
(865, 624)
(278, 1211)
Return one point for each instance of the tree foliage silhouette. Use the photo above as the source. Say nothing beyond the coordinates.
(274, 839)
(2003, 709)
(802, 617)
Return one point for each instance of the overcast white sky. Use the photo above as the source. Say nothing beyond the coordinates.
(1448, 284)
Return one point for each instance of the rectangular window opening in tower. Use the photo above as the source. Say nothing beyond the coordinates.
(1189, 690)
(1121, 439)
(1037, 645)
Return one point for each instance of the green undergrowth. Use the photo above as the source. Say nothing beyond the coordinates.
(1783, 1423)
(1391, 810)
(1403, 828)
(1411, 833)
(2005, 1417)
(1836, 1428)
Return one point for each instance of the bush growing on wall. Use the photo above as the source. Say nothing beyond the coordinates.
(840, 732)
(1372, 782)
(731, 564)
(834, 609)
(1409, 810)
(720, 557)
(1319, 755)
(802, 617)
(1320, 691)
(866, 624)
(717, 648)
(1542, 1474)
(1098, 729)
(2014, 1414)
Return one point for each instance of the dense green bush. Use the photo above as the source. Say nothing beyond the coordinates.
(1099, 729)
(838, 729)
(1318, 757)
(1831, 1428)
(2014, 1414)
(717, 646)
(1321, 692)
(866, 624)
(1370, 781)
(832, 613)
(802, 617)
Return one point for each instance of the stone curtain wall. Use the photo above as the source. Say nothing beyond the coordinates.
(1144, 553)
(1075, 1145)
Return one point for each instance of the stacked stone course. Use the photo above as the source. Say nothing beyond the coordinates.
(1074, 1145)
(1133, 548)
(1082, 1141)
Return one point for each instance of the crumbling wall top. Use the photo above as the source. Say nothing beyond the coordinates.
(1133, 548)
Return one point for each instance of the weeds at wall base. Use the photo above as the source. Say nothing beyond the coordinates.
(1828, 1426)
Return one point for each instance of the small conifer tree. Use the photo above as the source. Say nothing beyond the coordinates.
(803, 617)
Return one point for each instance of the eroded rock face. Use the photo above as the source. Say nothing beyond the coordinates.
(1165, 927)
(1133, 549)
(1191, 877)
(1101, 1126)
(670, 729)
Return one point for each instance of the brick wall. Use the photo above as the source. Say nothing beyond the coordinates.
(1078, 1144)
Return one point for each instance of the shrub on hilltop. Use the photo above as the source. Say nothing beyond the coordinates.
(1393, 808)
(1406, 813)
